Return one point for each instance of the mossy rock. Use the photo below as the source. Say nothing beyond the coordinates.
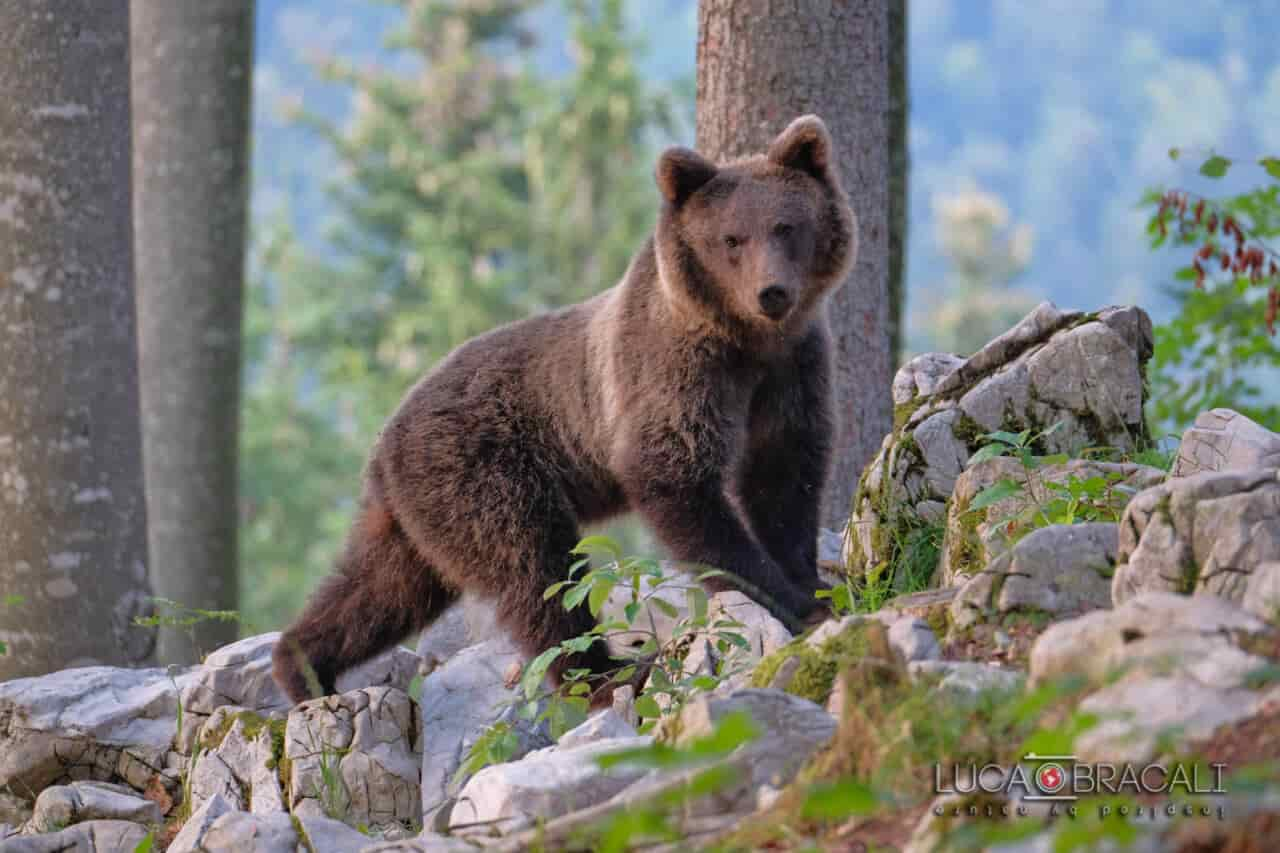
(819, 665)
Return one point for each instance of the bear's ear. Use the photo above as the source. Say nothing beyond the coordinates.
(681, 172)
(805, 145)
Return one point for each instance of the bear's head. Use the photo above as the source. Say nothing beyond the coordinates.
(755, 245)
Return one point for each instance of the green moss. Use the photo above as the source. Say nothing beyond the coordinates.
(1037, 619)
(818, 667)
(939, 620)
(302, 834)
(902, 412)
(964, 545)
(968, 430)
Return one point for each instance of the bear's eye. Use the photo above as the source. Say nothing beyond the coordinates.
(732, 242)
(783, 229)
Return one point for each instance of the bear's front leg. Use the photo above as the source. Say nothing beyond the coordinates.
(783, 478)
(695, 520)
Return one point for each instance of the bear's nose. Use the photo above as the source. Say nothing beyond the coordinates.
(775, 301)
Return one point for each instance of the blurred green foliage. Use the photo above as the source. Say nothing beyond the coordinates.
(472, 189)
(1220, 348)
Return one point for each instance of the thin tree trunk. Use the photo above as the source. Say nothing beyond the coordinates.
(761, 64)
(192, 65)
(72, 511)
(899, 169)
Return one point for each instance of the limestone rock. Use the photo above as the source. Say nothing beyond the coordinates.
(240, 674)
(1225, 440)
(1061, 569)
(1204, 533)
(191, 837)
(974, 538)
(600, 726)
(920, 376)
(1084, 371)
(469, 622)
(426, 842)
(460, 700)
(1168, 666)
(94, 836)
(542, 785)
(911, 638)
(1153, 635)
(14, 810)
(238, 764)
(101, 723)
(356, 756)
(830, 552)
(1136, 713)
(326, 835)
(235, 831)
(1262, 595)
(791, 730)
(63, 805)
(967, 678)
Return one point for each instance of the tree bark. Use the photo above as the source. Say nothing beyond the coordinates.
(762, 63)
(899, 169)
(192, 66)
(72, 511)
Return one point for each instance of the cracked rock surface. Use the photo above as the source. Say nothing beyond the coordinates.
(1208, 533)
(1225, 440)
(356, 755)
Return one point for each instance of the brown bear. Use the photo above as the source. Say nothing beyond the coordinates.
(696, 392)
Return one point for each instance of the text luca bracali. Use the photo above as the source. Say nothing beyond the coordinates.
(1060, 781)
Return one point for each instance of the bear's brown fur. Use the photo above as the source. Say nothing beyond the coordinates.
(696, 392)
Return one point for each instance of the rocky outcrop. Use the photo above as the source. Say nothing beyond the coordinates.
(1083, 371)
(1166, 665)
(1224, 440)
(95, 723)
(1204, 533)
(1064, 569)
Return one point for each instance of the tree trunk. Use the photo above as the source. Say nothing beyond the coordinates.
(758, 69)
(192, 65)
(72, 512)
(899, 169)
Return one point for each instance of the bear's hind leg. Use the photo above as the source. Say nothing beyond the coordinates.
(382, 592)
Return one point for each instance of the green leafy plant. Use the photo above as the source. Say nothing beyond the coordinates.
(913, 558)
(173, 614)
(668, 687)
(1219, 348)
(497, 744)
(1043, 501)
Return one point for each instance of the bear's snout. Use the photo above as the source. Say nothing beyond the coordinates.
(775, 301)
